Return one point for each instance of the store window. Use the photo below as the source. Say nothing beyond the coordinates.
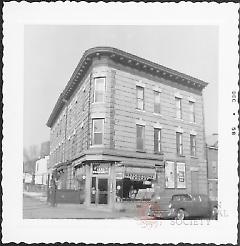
(99, 89)
(97, 135)
(157, 140)
(140, 97)
(193, 145)
(169, 174)
(192, 111)
(140, 137)
(157, 105)
(178, 102)
(179, 142)
(181, 175)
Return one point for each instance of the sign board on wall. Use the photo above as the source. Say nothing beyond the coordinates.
(100, 168)
(181, 175)
(169, 174)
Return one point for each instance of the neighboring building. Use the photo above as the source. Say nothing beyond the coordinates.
(125, 126)
(41, 172)
(45, 149)
(29, 171)
(212, 160)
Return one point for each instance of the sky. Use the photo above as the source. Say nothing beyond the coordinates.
(51, 53)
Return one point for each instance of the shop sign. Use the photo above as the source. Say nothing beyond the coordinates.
(100, 168)
(135, 176)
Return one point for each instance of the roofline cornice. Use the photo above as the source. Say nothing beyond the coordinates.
(125, 58)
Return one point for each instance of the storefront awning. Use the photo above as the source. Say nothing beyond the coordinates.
(62, 165)
(136, 173)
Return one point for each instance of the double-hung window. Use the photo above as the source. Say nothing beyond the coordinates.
(140, 137)
(178, 107)
(193, 145)
(99, 89)
(192, 111)
(157, 140)
(157, 106)
(140, 97)
(97, 133)
(179, 141)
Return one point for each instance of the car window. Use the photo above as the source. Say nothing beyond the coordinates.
(186, 198)
(176, 198)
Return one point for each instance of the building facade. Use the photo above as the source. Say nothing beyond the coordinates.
(212, 163)
(41, 172)
(125, 127)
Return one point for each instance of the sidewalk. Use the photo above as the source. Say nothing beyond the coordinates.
(36, 207)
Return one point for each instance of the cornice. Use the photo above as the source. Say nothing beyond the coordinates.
(123, 58)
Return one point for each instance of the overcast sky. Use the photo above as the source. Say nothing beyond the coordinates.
(51, 53)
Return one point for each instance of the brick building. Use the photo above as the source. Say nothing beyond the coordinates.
(212, 164)
(125, 127)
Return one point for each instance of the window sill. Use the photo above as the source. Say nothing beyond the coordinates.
(97, 103)
(158, 153)
(178, 119)
(194, 123)
(141, 151)
(97, 146)
(157, 114)
(140, 110)
(193, 157)
(181, 156)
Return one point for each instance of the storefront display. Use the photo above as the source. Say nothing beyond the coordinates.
(181, 179)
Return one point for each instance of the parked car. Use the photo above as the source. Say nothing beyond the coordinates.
(183, 206)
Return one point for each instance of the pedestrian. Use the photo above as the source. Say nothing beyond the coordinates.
(53, 191)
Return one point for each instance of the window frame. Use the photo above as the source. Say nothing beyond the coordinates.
(179, 143)
(93, 133)
(178, 107)
(192, 112)
(155, 96)
(169, 166)
(179, 184)
(104, 87)
(140, 99)
(143, 139)
(193, 139)
(158, 148)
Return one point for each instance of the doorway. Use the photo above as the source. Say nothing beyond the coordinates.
(99, 190)
(195, 182)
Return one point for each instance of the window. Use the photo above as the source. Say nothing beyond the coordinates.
(192, 111)
(178, 107)
(169, 174)
(181, 175)
(140, 97)
(97, 136)
(179, 143)
(99, 89)
(157, 102)
(140, 137)
(193, 145)
(157, 140)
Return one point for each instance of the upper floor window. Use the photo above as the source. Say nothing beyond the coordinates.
(157, 140)
(178, 107)
(99, 89)
(192, 111)
(140, 137)
(97, 134)
(140, 97)
(179, 142)
(193, 145)
(157, 107)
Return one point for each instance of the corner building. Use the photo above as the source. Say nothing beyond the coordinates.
(125, 127)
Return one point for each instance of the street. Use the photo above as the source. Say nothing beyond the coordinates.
(34, 208)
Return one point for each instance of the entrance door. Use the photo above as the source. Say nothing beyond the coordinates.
(194, 181)
(102, 191)
(99, 190)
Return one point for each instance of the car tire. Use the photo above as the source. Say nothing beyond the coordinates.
(214, 213)
(180, 214)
